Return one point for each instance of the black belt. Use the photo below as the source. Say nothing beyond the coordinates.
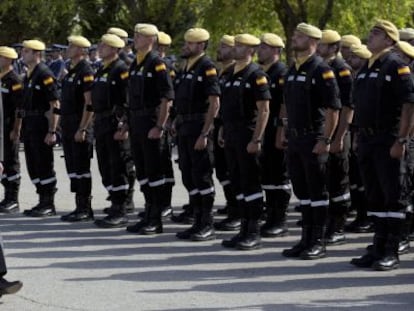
(370, 131)
(294, 132)
(190, 117)
(142, 112)
(33, 113)
(103, 114)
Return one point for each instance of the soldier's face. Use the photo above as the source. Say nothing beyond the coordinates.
(71, 51)
(377, 40)
(3, 62)
(28, 56)
(265, 53)
(141, 41)
(323, 50)
(106, 51)
(355, 62)
(300, 41)
(346, 52)
(190, 49)
(241, 51)
(224, 52)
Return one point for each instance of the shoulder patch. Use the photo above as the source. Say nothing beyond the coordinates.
(345, 73)
(88, 78)
(124, 75)
(405, 70)
(160, 67)
(48, 81)
(328, 75)
(261, 80)
(281, 81)
(16, 87)
(211, 72)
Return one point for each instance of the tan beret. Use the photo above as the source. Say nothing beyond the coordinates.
(406, 48)
(389, 29)
(34, 45)
(406, 34)
(118, 31)
(164, 38)
(79, 41)
(309, 30)
(227, 40)
(113, 41)
(247, 39)
(272, 40)
(196, 35)
(350, 40)
(146, 29)
(361, 51)
(330, 36)
(8, 52)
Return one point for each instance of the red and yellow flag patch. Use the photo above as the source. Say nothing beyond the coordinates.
(261, 80)
(48, 81)
(124, 75)
(328, 75)
(88, 78)
(211, 72)
(17, 87)
(160, 67)
(404, 70)
(345, 73)
(281, 81)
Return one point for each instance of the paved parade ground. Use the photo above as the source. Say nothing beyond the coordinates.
(81, 267)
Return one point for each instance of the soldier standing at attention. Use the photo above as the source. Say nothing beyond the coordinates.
(312, 104)
(12, 91)
(275, 180)
(41, 115)
(245, 111)
(109, 102)
(384, 97)
(196, 103)
(77, 133)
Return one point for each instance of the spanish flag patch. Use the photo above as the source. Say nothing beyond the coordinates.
(48, 81)
(211, 72)
(345, 73)
(404, 71)
(160, 67)
(124, 75)
(328, 75)
(88, 78)
(281, 81)
(17, 87)
(261, 80)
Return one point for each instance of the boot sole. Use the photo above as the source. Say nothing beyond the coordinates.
(382, 268)
(313, 257)
(245, 248)
(12, 289)
(268, 235)
(201, 239)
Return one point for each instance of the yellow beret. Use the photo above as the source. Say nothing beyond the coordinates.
(196, 35)
(406, 48)
(272, 40)
(330, 36)
(118, 31)
(113, 41)
(350, 40)
(34, 45)
(164, 38)
(361, 51)
(406, 34)
(79, 41)
(309, 30)
(7, 52)
(146, 29)
(227, 40)
(247, 39)
(389, 29)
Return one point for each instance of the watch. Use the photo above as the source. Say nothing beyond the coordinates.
(402, 140)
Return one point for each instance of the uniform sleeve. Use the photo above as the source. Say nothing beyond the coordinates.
(16, 91)
(344, 79)
(327, 88)
(50, 87)
(164, 82)
(211, 85)
(403, 84)
(88, 78)
(261, 87)
(120, 98)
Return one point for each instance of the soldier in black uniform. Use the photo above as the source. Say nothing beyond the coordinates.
(338, 164)
(150, 97)
(384, 97)
(348, 41)
(196, 103)
(245, 111)
(41, 115)
(312, 104)
(275, 180)
(12, 91)
(109, 101)
(225, 55)
(6, 287)
(77, 136)
(124, 36)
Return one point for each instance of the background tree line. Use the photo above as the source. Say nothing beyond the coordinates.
(53, 20)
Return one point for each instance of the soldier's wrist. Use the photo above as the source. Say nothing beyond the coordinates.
(326, 140)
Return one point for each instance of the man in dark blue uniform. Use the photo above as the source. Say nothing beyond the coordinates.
(6, 287)
(384, 97)
(41, 115)
(312, 104)
(12, 91)
(196, 103)
(275, 180)
(245, 111)
(77, 136)
(338, 164)
(150, 97)
(109, 102)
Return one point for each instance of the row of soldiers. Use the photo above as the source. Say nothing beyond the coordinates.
(277, 127)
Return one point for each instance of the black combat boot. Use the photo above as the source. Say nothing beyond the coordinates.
(154, 224)
(7, 288)
(83, 210)
(205, 231)
(335, 234)
(117, 217)
(232, 222)
(46, 206)
(275, 225)
(304, 242)
(316, 248)
(10, 204)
